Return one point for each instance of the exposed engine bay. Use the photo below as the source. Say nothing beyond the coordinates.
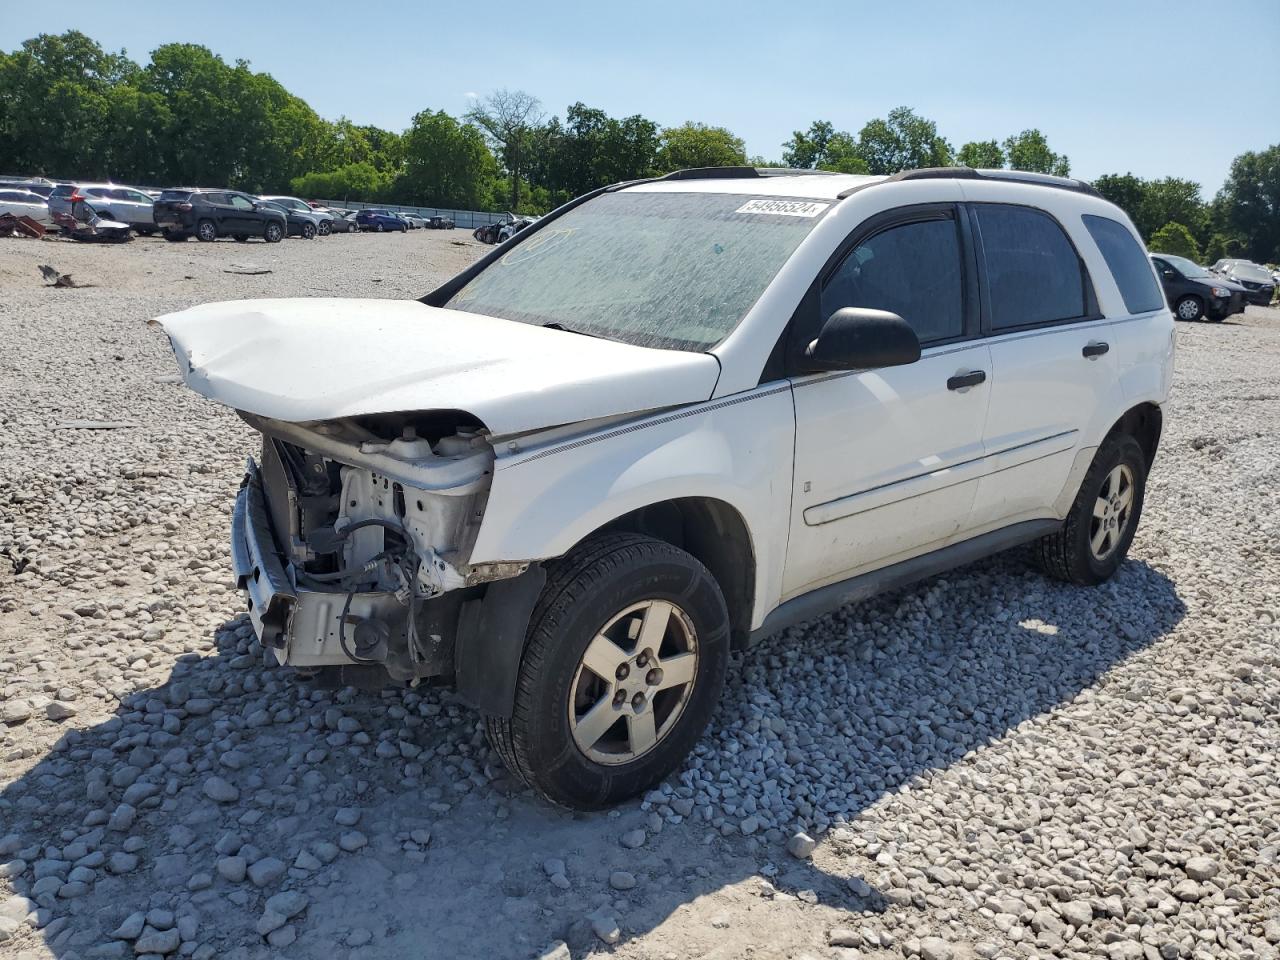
(372, 519)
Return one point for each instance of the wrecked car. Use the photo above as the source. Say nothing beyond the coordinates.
(675, 416)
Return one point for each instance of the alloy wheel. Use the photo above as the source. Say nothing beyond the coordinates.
(1111, 512)
(633, 682)
(1189, 309)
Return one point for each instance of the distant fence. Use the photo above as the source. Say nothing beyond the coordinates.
(465, 219)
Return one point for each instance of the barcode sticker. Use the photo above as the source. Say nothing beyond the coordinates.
(783, 208)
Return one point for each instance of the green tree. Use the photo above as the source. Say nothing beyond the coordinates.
(1029, 151)
(903, 140)
(698, 145)
(1216, 249)
(1249, 202)
(981, 155)
(446, 164)
(1172, 200)
(1176, 239)
(1126, 191)
(590, 149)
(351, 182)
(807, 148)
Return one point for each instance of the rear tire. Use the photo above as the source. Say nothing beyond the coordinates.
(586, 740)
(308, 231)
(380, 228)
(206, 231)
(1189, 308)
(1099, 528)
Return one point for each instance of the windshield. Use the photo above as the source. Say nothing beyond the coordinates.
(671, 270)
(1186, 267)
(1251, 271)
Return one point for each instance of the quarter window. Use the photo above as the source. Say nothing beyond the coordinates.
(1127, 264)
(1033, 272)
(913, 270)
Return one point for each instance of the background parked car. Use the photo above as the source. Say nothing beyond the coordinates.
(111, 201)
(344, 221)
(440, 223)
(488, 233)
(508, 230)
(23, 203)
(1255, 278)
(1194, 292)
(415, 222)
(40, 187)
(323, 218)
(380, 221)
(209, 214)
(300, 224)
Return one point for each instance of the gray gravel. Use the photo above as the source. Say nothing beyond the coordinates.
(989, 764)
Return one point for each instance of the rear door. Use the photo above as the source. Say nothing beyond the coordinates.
(887, 461)
(1051, 362)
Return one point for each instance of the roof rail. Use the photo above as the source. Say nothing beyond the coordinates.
(741, 173)
(969, 173)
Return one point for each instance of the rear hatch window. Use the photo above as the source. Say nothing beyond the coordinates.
(175, 195)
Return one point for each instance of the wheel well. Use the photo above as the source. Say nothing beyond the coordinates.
(714, 533)
(1143, 423)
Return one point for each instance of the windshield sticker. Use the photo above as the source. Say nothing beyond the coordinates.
(783, 208)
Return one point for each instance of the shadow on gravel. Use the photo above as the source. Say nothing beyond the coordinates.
(228, 784)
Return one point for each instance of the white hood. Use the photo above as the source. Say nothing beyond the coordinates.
(324, 358)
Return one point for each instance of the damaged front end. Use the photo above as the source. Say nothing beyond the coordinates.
(350, 539)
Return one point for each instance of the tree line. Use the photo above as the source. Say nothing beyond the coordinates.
(69, 108)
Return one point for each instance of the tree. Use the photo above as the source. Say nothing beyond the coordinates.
(698, 145)
(902, 141)
(1125, 191)
(1250, 203)
(353, 181)
(446, 164)
(508, 118)
(822, 147)
(1030, 151)
(1172, 199)
(1216, 249)
(1175, 239)
(590, 149)
(981, 155)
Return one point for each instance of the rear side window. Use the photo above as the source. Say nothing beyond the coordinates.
(1127, 263)
(913, 270)
(63, 190)
(1033, 272)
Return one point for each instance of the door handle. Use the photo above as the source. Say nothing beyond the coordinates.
(970, 379)
(1094, 349)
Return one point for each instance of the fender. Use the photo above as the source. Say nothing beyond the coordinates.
(737, 450)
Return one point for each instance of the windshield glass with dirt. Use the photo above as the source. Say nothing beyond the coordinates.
(669, 270)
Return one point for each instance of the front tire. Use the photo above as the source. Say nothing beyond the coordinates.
(1189, 308)
(273, 233)
(308, 231)
(1099, 528)
(380, 228)
(325, 228)
(624, 661)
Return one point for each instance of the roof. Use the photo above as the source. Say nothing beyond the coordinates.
(822, 185)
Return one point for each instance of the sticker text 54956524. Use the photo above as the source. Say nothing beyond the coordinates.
(783, 208)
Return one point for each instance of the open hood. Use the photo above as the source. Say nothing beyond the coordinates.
(324, 358)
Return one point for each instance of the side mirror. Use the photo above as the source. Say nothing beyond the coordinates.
(859, 338)
(1168, 272)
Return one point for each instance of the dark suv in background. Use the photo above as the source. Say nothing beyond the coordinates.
(1194, 292)
(209, 214)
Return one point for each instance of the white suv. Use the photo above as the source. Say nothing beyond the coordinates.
(677, 415)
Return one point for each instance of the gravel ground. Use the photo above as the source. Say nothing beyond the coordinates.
(988, 764)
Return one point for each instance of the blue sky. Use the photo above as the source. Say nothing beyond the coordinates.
(1099, 78)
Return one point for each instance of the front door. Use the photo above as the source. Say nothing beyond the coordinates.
(887, 461)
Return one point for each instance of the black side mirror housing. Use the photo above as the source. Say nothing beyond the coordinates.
(859, 338)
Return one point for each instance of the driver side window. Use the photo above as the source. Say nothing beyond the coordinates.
(240, 203)
(911, 269)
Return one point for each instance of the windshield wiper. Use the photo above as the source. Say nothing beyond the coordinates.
(557, 325)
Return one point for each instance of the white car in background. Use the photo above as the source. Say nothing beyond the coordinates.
(113, 202)
(675, 416)
(23, 203)
(324, 218)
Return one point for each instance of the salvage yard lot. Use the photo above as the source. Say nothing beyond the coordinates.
(992, 763)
